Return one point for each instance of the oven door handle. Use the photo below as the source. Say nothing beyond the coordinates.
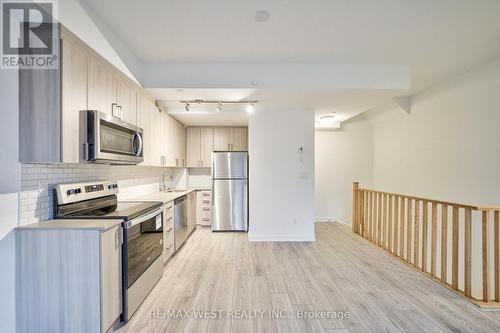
(142, 218)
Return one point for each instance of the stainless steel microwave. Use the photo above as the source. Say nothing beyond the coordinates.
(108, 139)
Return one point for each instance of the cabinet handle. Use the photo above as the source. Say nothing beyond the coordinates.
(168, 248)
(206, 208)
(206, 194)
(169, 207)
(169, 230)
(206, 219)
(170, 218)
(206, 201)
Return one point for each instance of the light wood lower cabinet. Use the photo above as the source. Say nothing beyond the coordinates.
(68, 280)
(204, 208)
(168, 230)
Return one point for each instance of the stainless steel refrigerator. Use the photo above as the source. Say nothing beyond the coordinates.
(230, 191)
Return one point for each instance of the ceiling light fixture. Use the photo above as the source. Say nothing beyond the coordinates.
(250, 107)
(250, 104)
(328, 118)
(262, 16)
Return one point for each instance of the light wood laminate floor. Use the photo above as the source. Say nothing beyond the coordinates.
(339, 272)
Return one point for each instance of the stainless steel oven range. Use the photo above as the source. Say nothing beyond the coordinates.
(142, 246)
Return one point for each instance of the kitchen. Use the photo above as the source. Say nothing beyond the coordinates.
(215, 167)
(192, 177)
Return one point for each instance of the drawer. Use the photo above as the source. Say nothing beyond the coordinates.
(169, 210)
(168, 222)
(206, 214)
(168, 242)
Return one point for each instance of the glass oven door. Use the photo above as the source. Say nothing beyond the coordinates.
(144, 244)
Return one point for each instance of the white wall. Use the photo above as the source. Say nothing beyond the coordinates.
(281, 183)
(342, 157)
(9, 195)
(75, 16)
(448, 147)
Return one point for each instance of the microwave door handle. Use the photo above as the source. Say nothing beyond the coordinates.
(139, 149)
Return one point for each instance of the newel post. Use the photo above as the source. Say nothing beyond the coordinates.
(355, 222)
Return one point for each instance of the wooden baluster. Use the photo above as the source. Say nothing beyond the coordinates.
(369, 221)
(396, 223)
(379, 219)
(384, 221)
(486, 290)
(374, 206)
(416, 235)
(444, 243)
(408, 228)
(355, 186)
(496, 255)
(402, 233)
(433, 239)
(454, 250)
(365, 213)
(389, 229)
(425, 220)
(360, 210)
(467, 255)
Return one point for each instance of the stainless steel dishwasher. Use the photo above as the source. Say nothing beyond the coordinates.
(180, 221)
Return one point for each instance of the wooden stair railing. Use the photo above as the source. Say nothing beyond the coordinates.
(436, 238)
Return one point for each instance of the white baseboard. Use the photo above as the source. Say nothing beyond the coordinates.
(280, 238)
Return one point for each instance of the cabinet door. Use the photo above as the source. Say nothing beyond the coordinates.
(221, 138)
(193, 146)
(144, 115)
(101, 87)
(157, 142)
(111, 276)
(126, 97)
(74, 99)
(181, 144)
(169, 138)
(207, 146)
(239, 139)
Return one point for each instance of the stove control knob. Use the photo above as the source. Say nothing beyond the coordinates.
(78, 190)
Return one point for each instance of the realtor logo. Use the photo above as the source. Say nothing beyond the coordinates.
(29, 35)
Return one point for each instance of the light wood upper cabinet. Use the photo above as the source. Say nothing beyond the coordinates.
(230, 139)
(207, 146)
(181, 144)
(193, 147)
(222, 138)
(238, 139)
(74, 98)
(199, 147)
(101, 87)
(126, 97)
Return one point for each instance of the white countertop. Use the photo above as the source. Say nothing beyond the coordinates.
(164, 196)
(98, 224)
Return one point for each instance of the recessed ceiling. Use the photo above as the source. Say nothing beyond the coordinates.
(346, 103)
(436, 38)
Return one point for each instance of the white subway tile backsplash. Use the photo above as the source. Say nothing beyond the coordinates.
(38, 182)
